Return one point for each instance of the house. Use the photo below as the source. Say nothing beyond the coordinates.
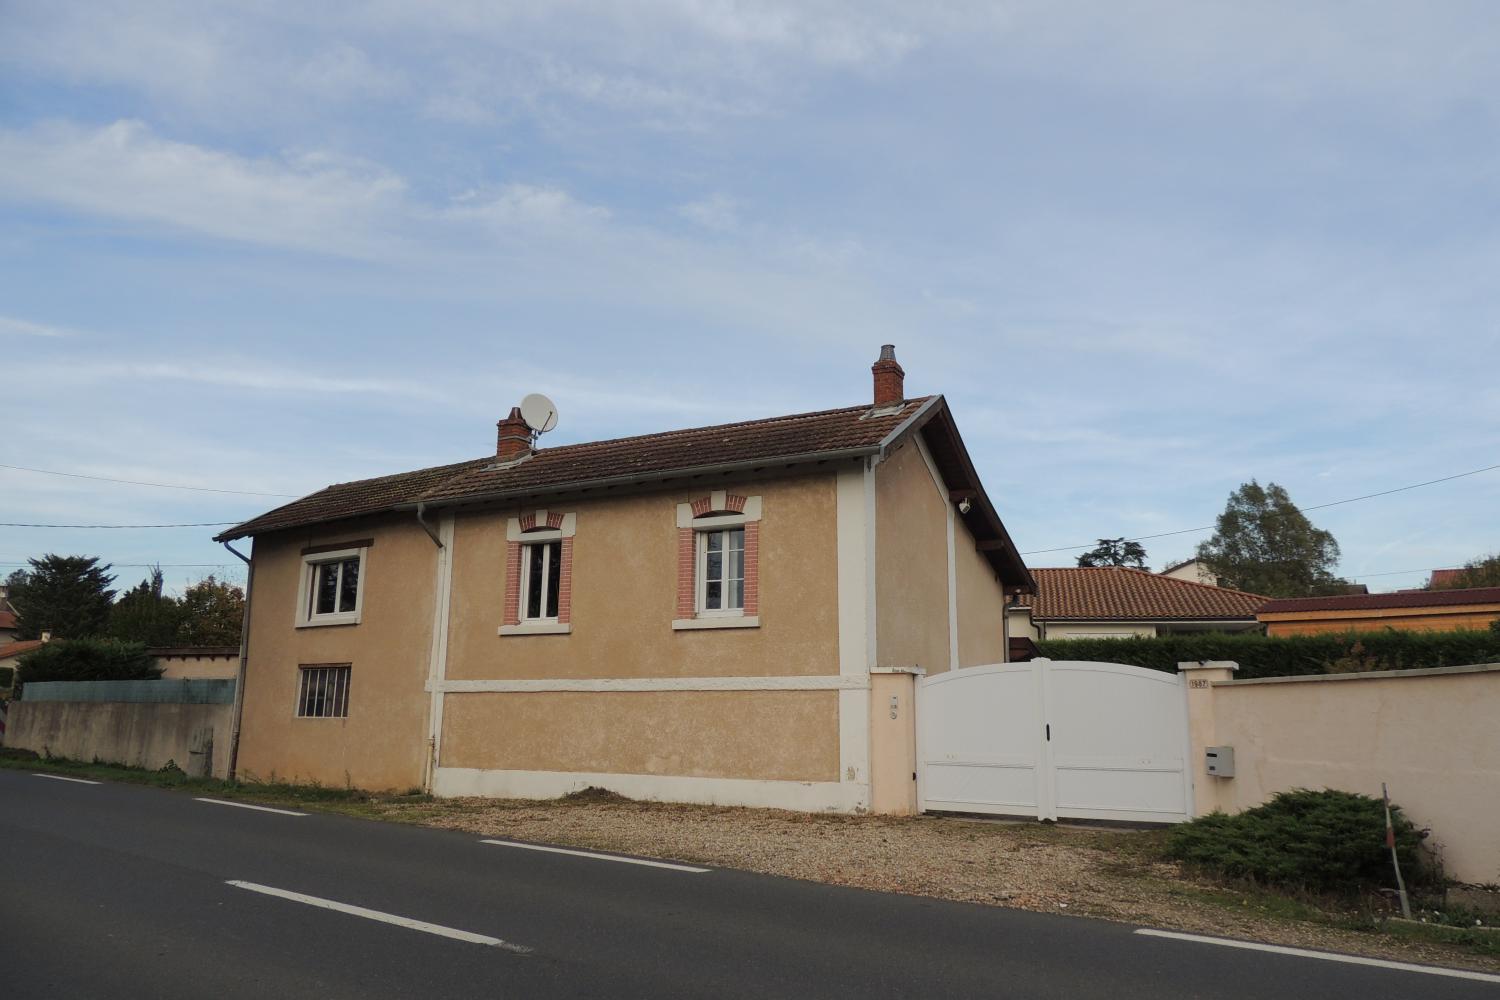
(8, 626)
(1443, 579)
(732, 614)
(197, 662)
(1194, 570)
(1111, 602)
(1407, 610)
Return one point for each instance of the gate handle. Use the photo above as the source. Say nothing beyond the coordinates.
(1049, 732)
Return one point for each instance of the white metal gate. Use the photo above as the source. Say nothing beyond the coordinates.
(1055, 739)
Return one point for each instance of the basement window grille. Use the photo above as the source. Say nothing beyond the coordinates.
(324, 692)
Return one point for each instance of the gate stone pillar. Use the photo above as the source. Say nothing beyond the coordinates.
(1198, 678)
(893, 739)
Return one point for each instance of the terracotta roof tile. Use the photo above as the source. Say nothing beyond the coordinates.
(7, 619)
(1442, 578)
(17, 648)
(1372, 602)
(644, 457)
(1119, 593)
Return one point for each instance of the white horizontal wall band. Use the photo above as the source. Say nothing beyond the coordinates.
(384, 918)
(1327, 956)
(597, 856)
(792, 683)
(801, 796)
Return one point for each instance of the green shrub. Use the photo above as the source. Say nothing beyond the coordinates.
(1326, 841)
(7, 674)
(1283, 656)
(87, 660)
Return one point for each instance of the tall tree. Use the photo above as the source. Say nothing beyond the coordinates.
(212, 613)
(1481, 572)
(145, 614)
(1115, 552)
(1262, 543)
(68, 596)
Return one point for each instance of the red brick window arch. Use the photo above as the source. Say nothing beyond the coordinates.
(718, 562)
(539, 574)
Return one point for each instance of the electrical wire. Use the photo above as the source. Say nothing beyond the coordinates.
(137, 482)
(1321, 506)
(199, 524)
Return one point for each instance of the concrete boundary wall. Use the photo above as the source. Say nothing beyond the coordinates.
(138, 734)
(1432, 735)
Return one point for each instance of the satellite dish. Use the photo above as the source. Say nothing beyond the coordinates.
(539, 412)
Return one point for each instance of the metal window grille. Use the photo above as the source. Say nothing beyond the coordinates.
(324, 692)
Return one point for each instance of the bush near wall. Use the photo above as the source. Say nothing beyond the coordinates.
(1287, 656)
(87, 660)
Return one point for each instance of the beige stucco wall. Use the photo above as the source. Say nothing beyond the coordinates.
(186, 667)
(777, 735)
(1430, 735)
(383, 742)
(137, 734)
(625, 587)
(981, 603)
(911, 564)
(1087, 630)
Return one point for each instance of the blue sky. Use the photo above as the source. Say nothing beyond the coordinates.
(1148, 250)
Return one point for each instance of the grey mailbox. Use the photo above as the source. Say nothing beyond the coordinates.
(1220, 761)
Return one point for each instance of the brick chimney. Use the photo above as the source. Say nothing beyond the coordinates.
(514, 438)
(890, 377)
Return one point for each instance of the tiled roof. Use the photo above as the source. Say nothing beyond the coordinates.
(643, 458)
(11, 649)
(1444, 577)
(1119, 593)
(1373, 602)
(7, 619)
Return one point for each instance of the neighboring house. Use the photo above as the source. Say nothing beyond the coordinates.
(195, 662)
(1407, 610)
(11, 653)
(7, 626)
(727, 614)
(1194, 571)
(1114, 601)
(1442, 579)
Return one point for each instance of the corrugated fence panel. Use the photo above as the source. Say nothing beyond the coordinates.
(189, 691)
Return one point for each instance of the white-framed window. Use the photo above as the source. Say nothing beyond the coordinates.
(323, 691)
(333, 587)
(541, 580)
(721, 571)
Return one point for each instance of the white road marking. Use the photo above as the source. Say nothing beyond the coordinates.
(385, 918)
(246, 805)
(601, 857)
(1276, 949)
(59, 777)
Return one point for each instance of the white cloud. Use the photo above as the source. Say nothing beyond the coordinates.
(717, 212)
(124, 170)
(26, 328)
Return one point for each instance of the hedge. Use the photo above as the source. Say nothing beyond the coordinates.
(87, 660)
(1286, 656)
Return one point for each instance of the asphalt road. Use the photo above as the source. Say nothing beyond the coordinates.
(121, 891)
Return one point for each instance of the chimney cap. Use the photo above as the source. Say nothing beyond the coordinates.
(887, 352)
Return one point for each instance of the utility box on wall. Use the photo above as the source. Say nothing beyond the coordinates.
(1220, 761)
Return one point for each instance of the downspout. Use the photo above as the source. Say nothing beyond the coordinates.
(421, 507)
(239, 684)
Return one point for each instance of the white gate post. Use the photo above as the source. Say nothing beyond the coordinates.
(1197, 678)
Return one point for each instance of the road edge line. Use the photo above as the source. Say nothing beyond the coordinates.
(1327, 956)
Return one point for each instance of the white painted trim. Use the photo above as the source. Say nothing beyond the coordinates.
(802, 796)
(513, 532)
(794, 682)
(62, 777)
(711, 619)
(303, 618)
(595, 855)
(247, 805)
(1327, 956)
(537, 626)
(854, 506)
(385, 918)
(722, 519)
(932, 471)
(437, 660)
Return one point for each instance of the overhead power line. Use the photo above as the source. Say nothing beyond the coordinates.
(1321, 506)
(137, 482)
(200, 524)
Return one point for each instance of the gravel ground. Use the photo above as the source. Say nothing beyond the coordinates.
(1114, 874)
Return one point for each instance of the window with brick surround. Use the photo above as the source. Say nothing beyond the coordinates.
(718, 562)
(539, 574)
